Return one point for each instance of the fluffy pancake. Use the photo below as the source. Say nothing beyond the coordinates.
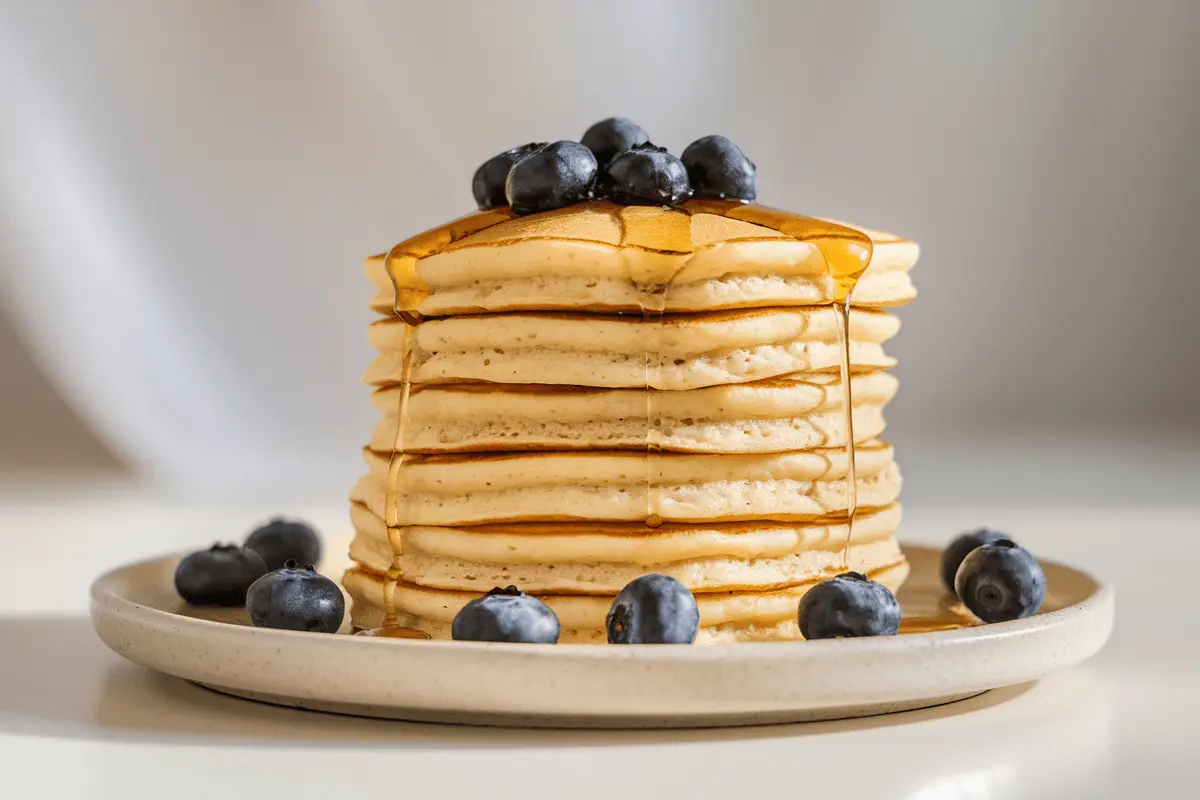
(724, 616)
(602, 257)
(677, 352)
(766, 416)
(771, 416)
(564, 486)
(601, 558)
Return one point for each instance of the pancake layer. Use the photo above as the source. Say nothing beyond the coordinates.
(599, 257)
(601, 558)
(766, 416)
(674, 353)
(565, 486)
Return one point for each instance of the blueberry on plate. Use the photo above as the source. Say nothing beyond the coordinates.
(653, 609)
(848, 605)
(960, 548)
(218, 576)
(611, 136)
(488, 183)
(552, 176)
(282, 539)
(649, 175)
(1000, 581)
(296, 598)
(719, 169)
(506, 615)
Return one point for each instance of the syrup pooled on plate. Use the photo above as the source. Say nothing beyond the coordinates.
(927, 608)
(394, 631)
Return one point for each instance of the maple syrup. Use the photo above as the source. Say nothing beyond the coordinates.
(393, 631)
(929, 609)
(842, 312)
(661, 241)
(932, 623)
(409, 290)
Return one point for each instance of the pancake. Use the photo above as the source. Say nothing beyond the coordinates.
(600, 392)
(601, 558)
(600, 257)
(724, 617)
(565, 486)
(674, 353)
(771, 416)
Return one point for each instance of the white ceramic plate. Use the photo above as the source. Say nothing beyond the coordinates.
(137, 613)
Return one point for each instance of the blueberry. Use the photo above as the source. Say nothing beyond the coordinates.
(552, 176)
(653, 609)
(296, 599)
(848, 605)
(282, 539)
(647, 174)
(218, 576)
(960, 548)
(488, 183)
(1000, 582)
(718, 168)
(506, 615)
(611, 136)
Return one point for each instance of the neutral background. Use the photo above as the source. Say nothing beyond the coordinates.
(187, 191)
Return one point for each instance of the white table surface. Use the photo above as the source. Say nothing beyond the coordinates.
(77, 721)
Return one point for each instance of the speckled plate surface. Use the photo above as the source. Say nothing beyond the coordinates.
(136, 612)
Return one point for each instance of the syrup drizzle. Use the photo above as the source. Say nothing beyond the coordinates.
(409, 290)
(847, 254)
(664, 247)
(842, 312)
(662, 242)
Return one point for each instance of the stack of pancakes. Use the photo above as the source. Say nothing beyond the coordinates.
(603, 391)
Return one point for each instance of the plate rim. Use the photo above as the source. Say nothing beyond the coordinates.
(588, 686)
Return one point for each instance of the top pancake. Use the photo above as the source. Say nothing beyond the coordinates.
(603, 257)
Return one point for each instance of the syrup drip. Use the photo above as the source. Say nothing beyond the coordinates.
(843, 315)
(662, 241)
(409, 292)
(653, 306)
(653, 302)
(847, 254)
